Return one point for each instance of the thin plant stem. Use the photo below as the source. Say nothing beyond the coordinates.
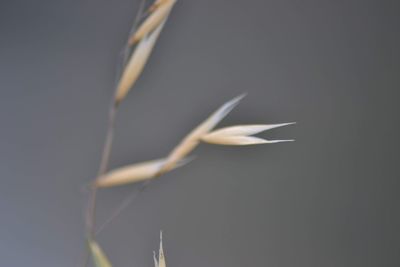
(91, 210)
(123, 205)
(105, 157)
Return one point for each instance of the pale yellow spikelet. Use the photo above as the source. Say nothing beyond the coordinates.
(160, 11)
(240, 135)
(250, 129)
(156, 4)
(131, 173)
(136, 64)
(99, 258)
(193, 138)
(236, 140)
(134, 173)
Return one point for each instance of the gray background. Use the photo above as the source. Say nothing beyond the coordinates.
(329, 199)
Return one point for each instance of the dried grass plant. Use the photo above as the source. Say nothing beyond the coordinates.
(148, 25)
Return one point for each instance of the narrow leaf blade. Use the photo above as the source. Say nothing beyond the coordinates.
(99, 258)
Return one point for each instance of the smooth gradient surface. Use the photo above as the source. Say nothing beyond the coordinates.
(329, 199)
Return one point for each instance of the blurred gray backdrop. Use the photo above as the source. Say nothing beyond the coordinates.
(329, 199)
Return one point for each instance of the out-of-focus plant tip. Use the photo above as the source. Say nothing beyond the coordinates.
(161, 257)
(99, 258)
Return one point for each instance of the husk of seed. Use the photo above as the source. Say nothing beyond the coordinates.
(250, 129)
(241, 140)
(134, 173)
(99, 258)
(156, 4)
(136, 64)
(193, 138)
(240, 135)
(159, 12)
